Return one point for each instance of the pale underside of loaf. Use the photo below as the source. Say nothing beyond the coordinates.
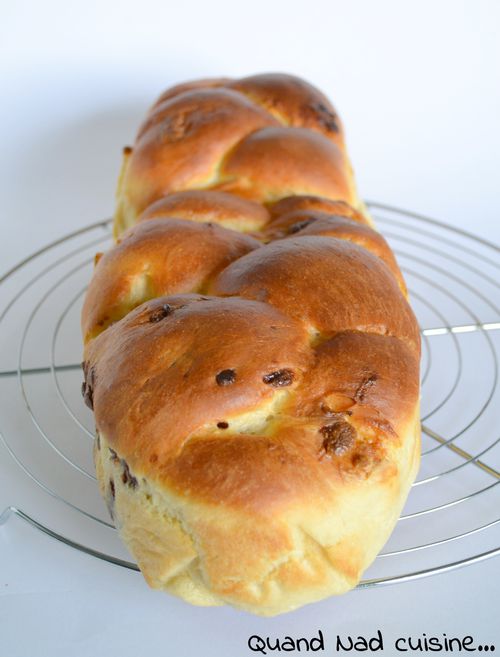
(268, 565)
(250, 354)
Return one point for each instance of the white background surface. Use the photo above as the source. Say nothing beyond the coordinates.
(417, 85)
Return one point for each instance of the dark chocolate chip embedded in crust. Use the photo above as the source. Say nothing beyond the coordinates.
(339, 437)
(279, 378)
(112, 488)
(225, 378)
(326, 117)
(88, 385)
(364, 386)
(87, 396)
(127, 476)
(360, 460)
(294, 228)
(222, 425)
(160, 313)
(114, 455)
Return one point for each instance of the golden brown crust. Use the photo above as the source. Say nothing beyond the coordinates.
(281, 209)
(182, 143)
(207, 135)
(187, 349)
(353, 289)
(221, 208)
(342, 226)
(158, 257)
(293, 102)
(178, 89)
(361, 373)
(251, 357)
(275, 162)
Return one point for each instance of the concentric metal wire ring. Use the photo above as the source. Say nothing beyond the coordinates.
(53, 369)
(53, 366)
(493, 358)
(20, 375)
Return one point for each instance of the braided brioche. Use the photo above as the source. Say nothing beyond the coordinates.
(250, 354)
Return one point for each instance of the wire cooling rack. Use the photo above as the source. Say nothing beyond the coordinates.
(452, 517)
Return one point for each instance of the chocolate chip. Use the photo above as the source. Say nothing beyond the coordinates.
(160, 313)
(84, 390)
(294, 228)
(360, 460)
(88, 385)
(222, 425)
(363, 388)
(225, 378)
(127, 476)
(326, 117)
(114, 455)
(112, 488)
(279, 378)
(339, 438)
